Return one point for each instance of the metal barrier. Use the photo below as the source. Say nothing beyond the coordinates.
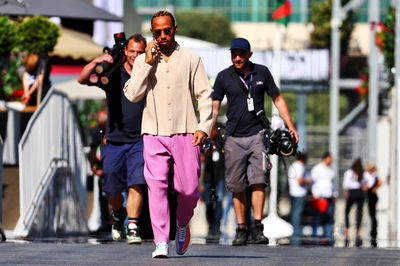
(51, 135)
(53, 211)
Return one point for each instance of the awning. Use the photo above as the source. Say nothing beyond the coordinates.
(76, 45)
(76, 9)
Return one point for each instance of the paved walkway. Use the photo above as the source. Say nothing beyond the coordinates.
(12, 253)
(90, 251)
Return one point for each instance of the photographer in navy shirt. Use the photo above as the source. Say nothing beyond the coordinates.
(245, 84)
(122, 155)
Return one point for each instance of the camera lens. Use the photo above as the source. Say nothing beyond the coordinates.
(286, 147)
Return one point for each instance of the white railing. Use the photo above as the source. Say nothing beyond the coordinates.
(53, 211)
(52, 133)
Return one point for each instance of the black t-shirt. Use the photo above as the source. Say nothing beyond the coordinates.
(241, 122)
(124, 117)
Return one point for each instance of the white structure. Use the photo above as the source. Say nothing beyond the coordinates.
(74, 90)
(53, 166)
(103, 31)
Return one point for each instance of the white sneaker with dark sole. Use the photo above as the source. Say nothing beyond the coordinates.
(161, 250)
(132, 235)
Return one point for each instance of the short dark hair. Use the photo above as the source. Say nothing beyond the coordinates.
(163, 13)
(326, 154)
(301, 156)
(137, 38)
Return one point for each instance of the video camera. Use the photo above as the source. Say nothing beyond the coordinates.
(280, 141)
(102, 72)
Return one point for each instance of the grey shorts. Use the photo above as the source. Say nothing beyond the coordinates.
(243, 162)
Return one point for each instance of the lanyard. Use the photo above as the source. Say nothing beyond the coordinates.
(248, 86)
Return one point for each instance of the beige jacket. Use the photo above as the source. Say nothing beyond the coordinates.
(170, 88)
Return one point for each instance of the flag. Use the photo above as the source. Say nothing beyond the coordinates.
(283, 9)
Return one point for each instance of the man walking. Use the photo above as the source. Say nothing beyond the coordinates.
(245, 85)
(169, 77)
(122, 155)
(324, 189)
(298, 183)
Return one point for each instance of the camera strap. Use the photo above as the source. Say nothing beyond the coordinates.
(236, 77)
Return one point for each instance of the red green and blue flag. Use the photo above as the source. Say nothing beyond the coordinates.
(282, 11)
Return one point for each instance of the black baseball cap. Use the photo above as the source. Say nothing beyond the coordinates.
(240, 43)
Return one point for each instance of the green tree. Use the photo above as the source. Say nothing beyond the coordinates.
(321, 19)
(388, 35)
(37, 35)
(8, 33)
(9, 79)
(317, 112)
(208, 26)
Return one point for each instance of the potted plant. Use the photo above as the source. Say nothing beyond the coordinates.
(37, 36)
(9, 79)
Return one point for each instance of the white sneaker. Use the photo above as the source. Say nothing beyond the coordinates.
(161, 250)
(117, 234)
(132, 235)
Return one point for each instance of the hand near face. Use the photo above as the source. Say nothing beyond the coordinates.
(152, 50)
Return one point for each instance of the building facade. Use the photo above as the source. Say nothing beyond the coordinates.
(251, 10)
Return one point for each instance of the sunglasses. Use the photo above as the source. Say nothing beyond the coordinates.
(167, 31)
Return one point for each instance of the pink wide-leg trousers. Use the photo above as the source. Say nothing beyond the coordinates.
(161, 152)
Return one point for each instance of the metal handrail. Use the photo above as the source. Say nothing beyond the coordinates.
(58, 208)
(54, 165)
(52, 132)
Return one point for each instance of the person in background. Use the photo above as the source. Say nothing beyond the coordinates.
(298, 184)
(324, 188)
(122, 155)
(354, 186)
(35, 79)
(97, 141)
(214, 177)
(373, 183)
(31, 79)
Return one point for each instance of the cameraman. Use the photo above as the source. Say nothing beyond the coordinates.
(245, 85)
(122, 155)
